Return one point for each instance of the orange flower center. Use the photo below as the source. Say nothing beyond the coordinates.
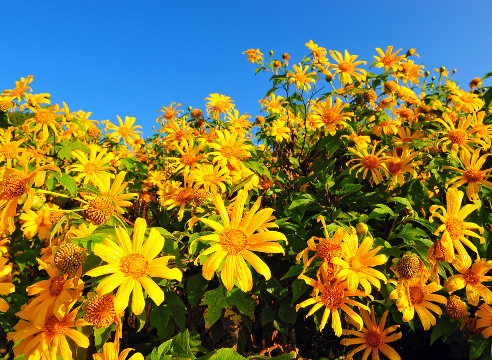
(54, 327)
(234, 241)
(370, 162)
(328, 250)
(15, 184)
(124, 132)
(187, 159)
(332, 297)
(134, 265)
(329, 118)
(56, 285)
(90, 168)
(473, 176)
(373, 339)
(100, 311)
(471, 278)
(395, 168)
(220, 106)
(455, 308)
(5, 105)
(44, 116)
(386, 60)
(458, 136)
(454, 226)
(355, 263)
(227, 151)
(9, 151)
(169, 114)
(345, 66)
(301, 78)
(185, 195)
(416, 295)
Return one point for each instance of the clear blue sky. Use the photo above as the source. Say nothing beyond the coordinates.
(130, 58)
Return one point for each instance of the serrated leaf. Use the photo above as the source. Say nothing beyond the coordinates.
(348, 189)
(181, 346)
(216, 301)
(68, 182)
(287, 313)
(223, 354)
(244, 303)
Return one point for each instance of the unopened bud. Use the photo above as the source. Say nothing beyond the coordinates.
(362, 229)
(271, 52)
(329, 77)
(190, 108)
(442, 69)
(427, 73)
(433, 78)
(454, 71)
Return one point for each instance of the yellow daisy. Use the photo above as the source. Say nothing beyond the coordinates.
(388, 60)
(6, 286)
(370, 162)
(125, 131)
(92, 166)
(346, 67)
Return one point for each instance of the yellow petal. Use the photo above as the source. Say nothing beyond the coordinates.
(138, 301)
(110, 283)
(152, 289)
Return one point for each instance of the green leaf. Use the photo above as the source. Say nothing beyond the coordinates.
(381, 211)
(177, 308)
(293, 271)
(4, 120)
(411, 234)
(101, 335)
(223, 354)
(444, 327)
(66, 151)
(302, 200)
(487, 97)
(57, 226)
(90, 241)
(287, 313)
(348, 189)
(196, 286)
(242, 183)
(478, 346)
(489, 74)
(267, 315)
(216, 301)
(181, 348)
(401, 201)
(68, 182)
(244, 303)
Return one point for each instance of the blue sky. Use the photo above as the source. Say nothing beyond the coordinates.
(130, 58)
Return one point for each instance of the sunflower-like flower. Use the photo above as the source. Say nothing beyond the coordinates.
(170, 113)
(405, 135)
(6, 286)
(13, 185)
(50, 339)
(93, 166)
(210, 177)
(116, 192)
(387, 127)
(346, 67)
(253, 55)
(44, 119)
(419, 297)
(356, 263)
(177, 132)
(238, 123)
(301, 77)
(361, 141)
(373, 337)
(455, 230)
(326, 249)
(410, 72)
(229, 148)
(177, 196)
(218, 104)
(482, 131)
(132, 263)
(484, 315)
(235, 240)
(370, 162)
(125, 131)
(189, 156)
(20, 88)
(399, 165)
(472, 175)
(37, 222)
(330, 115)
(10, 150)
(459, 136)
(279, 130)
(273, 104)
(388, 60)
(110, 352)
(471, 276)
(334, 297)
(466, 101)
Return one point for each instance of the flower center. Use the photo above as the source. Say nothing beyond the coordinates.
(416, 295)
(471, 278)
(328, 118)
(386, 60)
(345, 66)
(409, 266)
(15, 185)
(185, 195)
(100, 311)
(373, 339)
(220, 106)
(90, 168)
(332, 297)
(68, 258)
(355, 263)
(44, 116)
(227, 151)
(301, 78)
(187, 159)
(56, 285)
(234, 241)
(473, 176)
(124, 132)
(54, 327)
(169, 114)
(455, 308)
(99, 209)
(458, 136)
(9, 151)
(370, 162)
(5, 105)
(454, 226)
(328, 250)
(395, 168)
(134, 265)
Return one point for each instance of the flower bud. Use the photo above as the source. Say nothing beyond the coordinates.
(362, 229)
(427, 73)
(454, 71)
(271, 52)
(329, 77)
(190, 108)
(442, 69)
(433, 78)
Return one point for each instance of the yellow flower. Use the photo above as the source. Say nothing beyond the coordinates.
(210, 177)
(235, 240)
(346, 67)
(110, 352)
(131, 264)
(6, 286)
(388, 60)
(334, 296)
(241, 174)
(238, 123)
(373, 338)
(116, 192)
(189, 156)
(466, 101)
(405, 135)
(218, 104)
(10, 150)
(472, 175)
(318, 52)
(301, 77)
(472, 279)
(279, 130)
(273, 104)
(361, 141)
(13, 185)
(37, 222)
(93, 166)
(458, 136)
(177, 196)
(170, 113)
(253, 55)
(370, 162)
(410, 71)
(229, 149)
(20, 88)
(177, 134)
(419, 297)
(482, 131)
(44, 119)
(386, 127)
(399, 165)
(484, 315)
(125, 131)
(356, 263)
(455, 229)
(36, 341)
(330, 116)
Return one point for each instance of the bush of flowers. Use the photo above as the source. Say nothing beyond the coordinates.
(353, 213)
